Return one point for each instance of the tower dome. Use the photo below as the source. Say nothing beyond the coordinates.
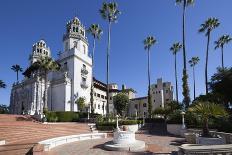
(39, 49)
(74, 29)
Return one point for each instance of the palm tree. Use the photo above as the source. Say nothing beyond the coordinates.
(96, 32)
(148, 43)
(2, 84)
(47, 64)
(206, 110)
(185, 86)
(16, 68)
(225, 39)
(208, 26)
(109, 12)
(43, 66)
(176, 48)
(193, 62)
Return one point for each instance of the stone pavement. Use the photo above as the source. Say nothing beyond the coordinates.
(22, 132)
(154, 145)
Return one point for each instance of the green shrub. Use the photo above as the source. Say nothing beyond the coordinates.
(51, 117)
(106, 125)
(175, 118)
(128, 122)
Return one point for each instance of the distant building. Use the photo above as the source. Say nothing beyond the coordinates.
(161, 93)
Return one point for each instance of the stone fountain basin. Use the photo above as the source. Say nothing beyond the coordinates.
(124, 141)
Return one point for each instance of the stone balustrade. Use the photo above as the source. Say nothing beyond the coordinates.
(53, 142)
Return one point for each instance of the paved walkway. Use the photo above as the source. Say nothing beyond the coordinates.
(154, 145)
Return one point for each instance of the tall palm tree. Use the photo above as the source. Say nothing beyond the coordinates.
(176, 48)
(185, 86)
(42, 66)
(225, 39)
(16, 68)
(208, 26)
(2, 84)
(193, 62)
(96, 32)
(47, 64)
(109, 12)
(148, 43)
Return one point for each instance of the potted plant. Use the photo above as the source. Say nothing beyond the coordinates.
(207, 110)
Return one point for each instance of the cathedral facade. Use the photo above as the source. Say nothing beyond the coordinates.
(72, 81)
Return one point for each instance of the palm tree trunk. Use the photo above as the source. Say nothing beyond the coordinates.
(222, 57)
(205, 132)
(194, 83)
(107, 68)
(186, 99)
(183, 33)
(149, 85)
(176, 81)
(92, 83)
(206, 63)
(17, 72)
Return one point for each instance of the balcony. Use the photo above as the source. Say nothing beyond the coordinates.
(84, 71)
(84, 85)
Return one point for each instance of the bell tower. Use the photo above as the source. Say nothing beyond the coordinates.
(77, 62)
(39, 49)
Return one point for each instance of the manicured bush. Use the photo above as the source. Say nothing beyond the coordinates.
(175, 118)
(62, 116)
(106, 126)
(128, 122)
(51, 117)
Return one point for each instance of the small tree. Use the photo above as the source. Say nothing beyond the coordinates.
(121, 101)
(80, 103)
(4, 109)
(206, 110)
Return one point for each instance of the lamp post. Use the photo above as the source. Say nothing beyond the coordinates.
(88, 112)
(183, 123)
(117, 128)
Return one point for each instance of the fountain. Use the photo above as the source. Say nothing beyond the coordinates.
(124, 140)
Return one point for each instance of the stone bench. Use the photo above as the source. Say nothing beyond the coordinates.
(53, 142)
(194, 149)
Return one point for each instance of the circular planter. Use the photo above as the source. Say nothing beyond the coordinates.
(209, 141)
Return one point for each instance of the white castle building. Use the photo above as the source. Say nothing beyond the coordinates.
(72, 81)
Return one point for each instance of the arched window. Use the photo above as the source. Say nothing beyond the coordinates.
(75, 44)
(73, 29)
(76, 29)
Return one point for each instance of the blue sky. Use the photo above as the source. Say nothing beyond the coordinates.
(26, 21)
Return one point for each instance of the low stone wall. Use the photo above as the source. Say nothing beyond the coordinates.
(174, 129)
(227, 137)
(190, 149)
(53, 142)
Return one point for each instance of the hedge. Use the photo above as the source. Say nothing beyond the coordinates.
(66, 116)
(112, 125)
